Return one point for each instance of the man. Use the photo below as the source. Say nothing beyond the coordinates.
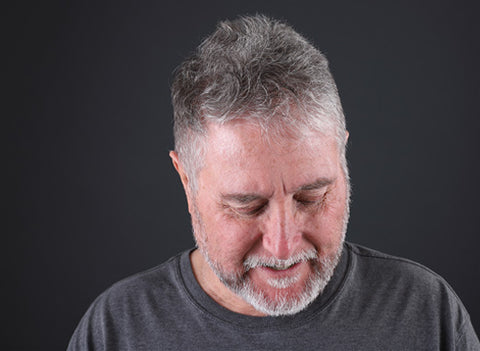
(260, 149)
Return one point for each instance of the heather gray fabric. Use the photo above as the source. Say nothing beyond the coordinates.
(374, 302)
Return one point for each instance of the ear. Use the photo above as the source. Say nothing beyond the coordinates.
(179, 167)
(347, 134)
(183, 177)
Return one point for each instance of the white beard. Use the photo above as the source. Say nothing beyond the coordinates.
(322, 269)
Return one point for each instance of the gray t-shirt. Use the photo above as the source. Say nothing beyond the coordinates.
(373, 302)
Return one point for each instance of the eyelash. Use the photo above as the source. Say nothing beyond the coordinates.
(256, 211)
(308, 203)
(252, 211)
(311, 203)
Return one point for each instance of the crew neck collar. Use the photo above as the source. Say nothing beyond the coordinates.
(237, 320)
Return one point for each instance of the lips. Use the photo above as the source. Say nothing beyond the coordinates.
(279, 265)
(280, 270)
(283, 267)
(279, 276)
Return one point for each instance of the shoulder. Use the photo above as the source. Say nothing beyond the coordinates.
(406, 289)
(154, 289)
(129, 307)
(157, 279)
(387, 267)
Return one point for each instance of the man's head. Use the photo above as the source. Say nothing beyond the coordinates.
(260, 147)
(257, 69)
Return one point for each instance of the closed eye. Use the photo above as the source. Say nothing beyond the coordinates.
(307, 203)
(310, 200)
(250, 210)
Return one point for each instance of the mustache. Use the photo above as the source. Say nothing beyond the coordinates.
(275, 263)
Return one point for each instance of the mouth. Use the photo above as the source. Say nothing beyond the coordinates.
(281, 270)
(281, 267)
(280, 276)
(278, 266)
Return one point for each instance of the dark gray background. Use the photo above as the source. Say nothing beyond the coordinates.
(91, 196)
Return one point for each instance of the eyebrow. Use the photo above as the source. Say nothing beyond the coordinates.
(318, 184)
(243, 199)
(240, 198)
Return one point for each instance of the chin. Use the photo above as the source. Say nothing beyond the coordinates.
(284, 296)
(282, 301)
(281, 295)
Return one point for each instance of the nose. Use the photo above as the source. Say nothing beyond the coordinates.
(280, 231)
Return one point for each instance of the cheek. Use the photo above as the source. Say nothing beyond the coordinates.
(231, 240)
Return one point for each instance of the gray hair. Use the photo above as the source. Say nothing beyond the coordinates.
(257, 69)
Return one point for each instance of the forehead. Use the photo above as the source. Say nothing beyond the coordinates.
(243, 155)
(249, 138)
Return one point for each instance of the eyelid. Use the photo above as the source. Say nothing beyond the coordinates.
(246, 211)
(250, 209)
(311, 197)
(315, 193)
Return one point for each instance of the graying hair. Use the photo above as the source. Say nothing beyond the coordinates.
(257, 69)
